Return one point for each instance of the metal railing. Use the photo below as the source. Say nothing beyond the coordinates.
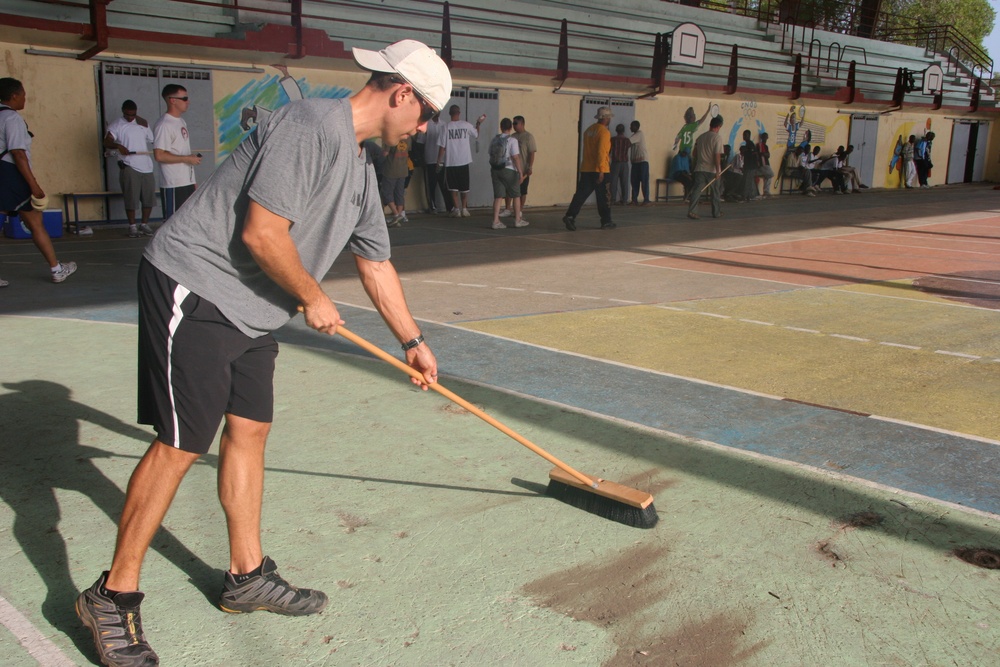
(595, 51)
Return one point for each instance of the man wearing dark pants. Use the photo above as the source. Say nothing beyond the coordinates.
(595, 169)
(434, 181)
(708, 169)
(172, 149)
(232, 265)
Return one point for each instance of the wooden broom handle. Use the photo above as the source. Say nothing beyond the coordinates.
(458, 400)
(709, 184)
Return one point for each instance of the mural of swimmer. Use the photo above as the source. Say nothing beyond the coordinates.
(259, 114)
(237, 113)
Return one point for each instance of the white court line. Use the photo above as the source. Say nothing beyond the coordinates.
(858, 339)
(905, 347)
(957, 354)
(34, 642)
(694, 380)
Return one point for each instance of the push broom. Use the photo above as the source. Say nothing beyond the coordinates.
(597, 496)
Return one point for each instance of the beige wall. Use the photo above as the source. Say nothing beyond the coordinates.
(62, 111)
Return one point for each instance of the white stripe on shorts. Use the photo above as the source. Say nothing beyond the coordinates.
(180, 293)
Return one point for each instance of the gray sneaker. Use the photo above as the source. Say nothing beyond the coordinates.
(269, 592)
(66, 269)
(145, 230)
(116, 626)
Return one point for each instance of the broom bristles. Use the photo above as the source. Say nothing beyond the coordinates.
(607, 508)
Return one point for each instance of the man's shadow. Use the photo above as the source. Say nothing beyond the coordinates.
(40, 452)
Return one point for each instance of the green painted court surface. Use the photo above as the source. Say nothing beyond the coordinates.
(430, 530)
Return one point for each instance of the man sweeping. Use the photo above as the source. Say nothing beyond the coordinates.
(235, 263)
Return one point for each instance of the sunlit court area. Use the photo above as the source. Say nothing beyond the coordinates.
(804, 381)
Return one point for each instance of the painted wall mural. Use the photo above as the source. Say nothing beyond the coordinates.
(794, 130)
(238, 113)
(902, 170)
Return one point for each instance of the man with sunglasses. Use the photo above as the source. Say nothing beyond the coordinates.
(244, 254)
(172, 149)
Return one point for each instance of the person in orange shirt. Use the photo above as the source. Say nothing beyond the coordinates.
(595, 169)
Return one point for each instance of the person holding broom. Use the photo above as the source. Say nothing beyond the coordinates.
(707, 157)
(235, 263)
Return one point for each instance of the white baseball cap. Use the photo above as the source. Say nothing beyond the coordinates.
(604, 112)
(416, 63)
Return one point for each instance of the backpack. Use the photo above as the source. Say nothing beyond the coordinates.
(498, 151)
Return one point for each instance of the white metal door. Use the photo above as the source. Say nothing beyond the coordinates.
(979, 165)
(478, 102)
(864, 138)
(959, 153)
(142, 84)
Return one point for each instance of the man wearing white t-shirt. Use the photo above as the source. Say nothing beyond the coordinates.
(172, 149)
(455, 155)
(130, 136)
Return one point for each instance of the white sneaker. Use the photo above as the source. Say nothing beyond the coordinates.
(133, 232)
(521, 223)
(65, 270)
(456, 213)
(85, 231)
(3, 283)
(506, 213)
(145, 230)
(498, 225)
(465, 213)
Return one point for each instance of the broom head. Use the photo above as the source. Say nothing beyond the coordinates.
(608, 500)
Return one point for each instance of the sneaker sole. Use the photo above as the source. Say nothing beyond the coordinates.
(274, 610)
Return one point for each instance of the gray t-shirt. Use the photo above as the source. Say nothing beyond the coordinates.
(301, 164)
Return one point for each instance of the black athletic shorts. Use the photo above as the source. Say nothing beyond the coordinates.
(457, 178)
(195, 366)
(15, 194)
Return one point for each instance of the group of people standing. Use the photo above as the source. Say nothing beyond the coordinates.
(915, 156)
(447, 154)
(629, 166)
(130, 136)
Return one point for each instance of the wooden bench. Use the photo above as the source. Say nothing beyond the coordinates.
(73, 223)
(665, 183)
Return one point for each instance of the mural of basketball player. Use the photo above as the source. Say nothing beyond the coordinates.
(259, 114)
(685, 138)
(793, 121)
